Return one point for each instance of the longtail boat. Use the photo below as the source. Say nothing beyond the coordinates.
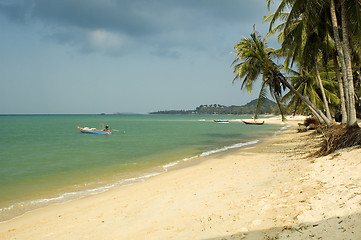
(253, 123)
(94, 131)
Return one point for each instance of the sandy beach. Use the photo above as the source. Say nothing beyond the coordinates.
(272, 190)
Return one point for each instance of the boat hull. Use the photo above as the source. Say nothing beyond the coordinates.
(221, 121)
(94, 131)
(253, 123)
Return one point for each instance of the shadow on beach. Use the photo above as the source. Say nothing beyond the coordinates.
(338, 228)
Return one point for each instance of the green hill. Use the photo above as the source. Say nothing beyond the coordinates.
(267, 106)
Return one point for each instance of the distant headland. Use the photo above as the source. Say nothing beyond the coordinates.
(267, 107)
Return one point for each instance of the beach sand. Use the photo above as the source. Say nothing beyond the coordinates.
(272, 190)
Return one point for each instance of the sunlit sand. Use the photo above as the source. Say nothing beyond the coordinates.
(272, 190)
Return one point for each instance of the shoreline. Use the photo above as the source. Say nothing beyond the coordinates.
(181, 164)
(17, 210)
(269, 190)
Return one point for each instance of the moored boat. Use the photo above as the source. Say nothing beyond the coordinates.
(221, 121)
(253, 123)
(94, 131)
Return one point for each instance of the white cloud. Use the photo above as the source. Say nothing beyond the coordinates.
(106, 41)
(114, 26)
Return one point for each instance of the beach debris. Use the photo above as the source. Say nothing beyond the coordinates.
(339, 137)
(302, 128)
(309, 123)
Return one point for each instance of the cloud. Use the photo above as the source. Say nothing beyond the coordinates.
(106, 41)
(18, 11)
(112, 26)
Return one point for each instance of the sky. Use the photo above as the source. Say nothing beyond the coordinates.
(128, 56)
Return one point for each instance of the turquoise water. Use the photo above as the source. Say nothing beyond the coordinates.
(45, 159)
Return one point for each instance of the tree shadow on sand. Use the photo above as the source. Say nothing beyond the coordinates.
(336, 228)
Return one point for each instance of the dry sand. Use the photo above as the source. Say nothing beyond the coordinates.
(272, 190)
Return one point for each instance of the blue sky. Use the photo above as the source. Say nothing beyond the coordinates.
(93, 56)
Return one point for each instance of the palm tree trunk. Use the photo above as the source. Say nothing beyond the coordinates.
(351, 120)
(339, 52)
(317, 116)
(308, 103)
(260, 100)
(328, 114)
(279, 104)
(342, 93)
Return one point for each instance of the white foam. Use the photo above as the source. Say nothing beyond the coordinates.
(191, 158)
(37, 203)
(284, 128)
(171, 164)
(141, 178)
(238, 145)
(204, 154)
(79, 194)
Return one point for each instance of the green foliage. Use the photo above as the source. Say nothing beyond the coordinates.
(181, 112)
(266, 107)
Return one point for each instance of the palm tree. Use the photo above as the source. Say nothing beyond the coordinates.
(306, 14)
(352, 119)
(301, 42)
(341, 57)
(305, 82)
(254, 58)
(312, 52)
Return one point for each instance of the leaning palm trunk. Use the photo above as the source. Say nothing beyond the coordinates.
(314, 109)
(351, 120)
(310, 105)
(328, 114)
(314, 113)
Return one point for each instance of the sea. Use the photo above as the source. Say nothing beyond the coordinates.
(45, 159)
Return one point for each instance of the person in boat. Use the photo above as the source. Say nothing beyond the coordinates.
(107, 128)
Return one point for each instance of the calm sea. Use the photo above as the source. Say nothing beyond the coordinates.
(44, 159)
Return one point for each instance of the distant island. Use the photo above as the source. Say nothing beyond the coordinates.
(267, 107)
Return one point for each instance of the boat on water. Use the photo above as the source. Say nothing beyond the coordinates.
(221, 121)
(95, 131)
(253, 123)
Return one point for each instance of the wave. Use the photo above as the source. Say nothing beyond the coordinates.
(284, 128)
(18, 209)
(204, 154)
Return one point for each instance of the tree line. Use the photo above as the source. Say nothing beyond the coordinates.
(317, 66)
(267, 107)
